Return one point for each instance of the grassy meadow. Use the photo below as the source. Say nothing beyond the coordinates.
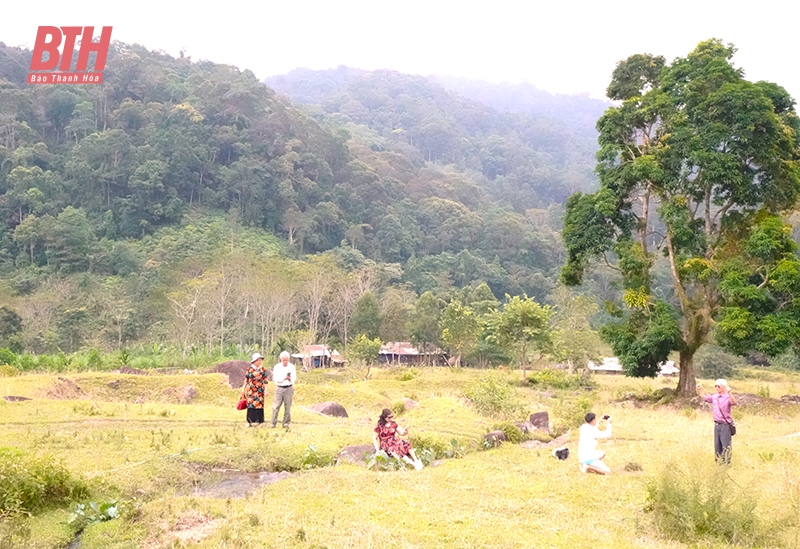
(139, 441)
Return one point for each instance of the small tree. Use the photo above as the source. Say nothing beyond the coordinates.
(460, 329)
(524, 326)
(574, 341)
(365, 350)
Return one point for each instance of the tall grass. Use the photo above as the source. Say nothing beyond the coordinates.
(29, 484)
(698, 501)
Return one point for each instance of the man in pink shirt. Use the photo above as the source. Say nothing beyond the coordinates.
(721, 406)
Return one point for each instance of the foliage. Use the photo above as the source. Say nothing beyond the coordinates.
(30, 484)
(6, 370)
(714, 362)
(313, 458)
(8, 357)
(555, 379)
(430, 444)
(714, 157)
(523, 325)
(407, 374)
(512, 432)
(701, 502)
(381, 461)
(364, 349)
(492, 396)
(91, 512)
(398, 408)
(570, 414)
(460, 329)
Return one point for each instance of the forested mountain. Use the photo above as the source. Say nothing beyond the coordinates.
(528, 160)
(185, 202)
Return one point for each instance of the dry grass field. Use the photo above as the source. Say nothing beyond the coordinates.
(184, 466)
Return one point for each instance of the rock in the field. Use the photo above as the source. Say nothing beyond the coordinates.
(495, 438)
(235, 370)
(10, 398)
(355, 454)
(526, 427)
(791, 399)
(541, 420)
(410, 404)
(333, 409)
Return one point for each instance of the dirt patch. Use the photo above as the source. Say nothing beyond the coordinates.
(239, 485)
(181, 395)
(64, 389)
(194, 527)
(132, 371)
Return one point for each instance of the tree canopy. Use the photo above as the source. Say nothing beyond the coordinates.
(695, 163)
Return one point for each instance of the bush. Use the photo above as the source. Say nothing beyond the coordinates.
(7, 357)
(570, 414)
(408, 374)
(714, 362)
(787, 361)
(555, 379)
(30, 484)
(398, 408)
(493, 397)
(6, 370)
(433, 444)
(701, 502)
(512, 432)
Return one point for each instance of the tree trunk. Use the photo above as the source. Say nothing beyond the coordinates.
(687, 385)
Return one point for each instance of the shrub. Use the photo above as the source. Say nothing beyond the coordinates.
(512, 432)
(7, 357)
(714, 362)
(570, 414)
(701, 502)
(436, 446)
(555, 379)
(408, 374)
(7, 370)
(381, 461)
(29, 484)
(398, 408)
(493, 397)
(313, 458)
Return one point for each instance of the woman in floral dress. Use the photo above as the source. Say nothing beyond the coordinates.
(254, 390)
(385, 438)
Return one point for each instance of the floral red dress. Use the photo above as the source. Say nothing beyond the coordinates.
(389, 443)
(256, 378)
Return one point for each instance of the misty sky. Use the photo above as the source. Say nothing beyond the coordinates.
(559, 46)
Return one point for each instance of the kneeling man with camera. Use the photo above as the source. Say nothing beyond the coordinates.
(590, 458)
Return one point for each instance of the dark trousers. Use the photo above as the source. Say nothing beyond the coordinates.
(255, 415)
(722, 442)
(283, 395)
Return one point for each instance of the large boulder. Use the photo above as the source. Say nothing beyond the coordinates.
(235, 370)
(541, 421)
(333, 409)
(355, 454)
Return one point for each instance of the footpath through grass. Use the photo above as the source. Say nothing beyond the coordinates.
(131, 442)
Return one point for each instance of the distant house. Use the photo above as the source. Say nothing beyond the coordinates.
(668, 368)
(610, 365)
(319, 356)
(403, 352)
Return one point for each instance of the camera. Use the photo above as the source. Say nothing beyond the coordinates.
(606, 416)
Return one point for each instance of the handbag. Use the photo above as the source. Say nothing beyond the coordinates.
(732, 426)
(242, 404)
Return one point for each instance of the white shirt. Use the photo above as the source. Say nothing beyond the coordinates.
(279, 374)
(587, 444)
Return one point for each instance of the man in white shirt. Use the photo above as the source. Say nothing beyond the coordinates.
(590, 458)
(284, 375)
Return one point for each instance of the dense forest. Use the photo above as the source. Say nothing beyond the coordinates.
(187, 204)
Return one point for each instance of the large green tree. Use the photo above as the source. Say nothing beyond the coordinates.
(694, 160)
